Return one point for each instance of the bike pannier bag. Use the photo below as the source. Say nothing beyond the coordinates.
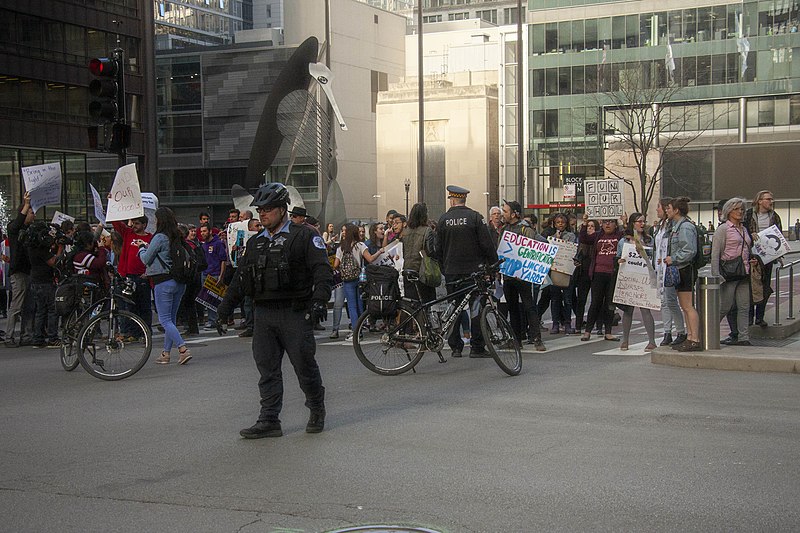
(383, 290)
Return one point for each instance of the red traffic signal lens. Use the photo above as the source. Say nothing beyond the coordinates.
(103, 67)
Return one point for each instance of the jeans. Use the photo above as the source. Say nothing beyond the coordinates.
(168, 300)
(142, 307)
(45, 318)
(355, 305)
(671, 312)
(561, 305)
(735, 296)
(338, 304)
(600, 309)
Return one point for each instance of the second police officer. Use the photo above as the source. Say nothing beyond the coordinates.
(285, 271)
(463, 243)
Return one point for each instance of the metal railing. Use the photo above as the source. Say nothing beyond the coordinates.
(778, 269)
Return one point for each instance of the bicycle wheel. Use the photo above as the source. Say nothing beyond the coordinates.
(500, 341)
(104, 353)
(69, 342)
(385, 352)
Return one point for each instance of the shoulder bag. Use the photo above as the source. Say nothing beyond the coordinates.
(733, 269)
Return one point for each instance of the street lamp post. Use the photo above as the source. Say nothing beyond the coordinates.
(407, 185)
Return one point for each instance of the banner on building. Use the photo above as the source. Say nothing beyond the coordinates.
(525, 258)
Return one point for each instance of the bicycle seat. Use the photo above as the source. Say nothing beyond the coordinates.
(411, 275)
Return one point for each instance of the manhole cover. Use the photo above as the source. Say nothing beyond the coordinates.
(386, 529)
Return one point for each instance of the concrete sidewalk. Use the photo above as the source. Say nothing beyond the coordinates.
(743, 358)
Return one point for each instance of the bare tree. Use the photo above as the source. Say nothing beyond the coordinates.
(640, 126)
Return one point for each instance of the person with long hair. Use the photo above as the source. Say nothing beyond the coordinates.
(417, 238)
(581, 279)
(601, 272)
(731, 241)
(351, 244)
(670, 309)
(759, 217)
(682, 248)
(168, 292)
(643, 243)
(560, 298)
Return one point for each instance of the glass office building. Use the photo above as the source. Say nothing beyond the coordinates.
(737, 67)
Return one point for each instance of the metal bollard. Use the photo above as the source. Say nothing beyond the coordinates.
(708, 308)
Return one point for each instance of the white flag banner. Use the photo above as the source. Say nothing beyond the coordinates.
(43, 182)
(59, 217)
(125, 198)
(770, 244)
(99, 212)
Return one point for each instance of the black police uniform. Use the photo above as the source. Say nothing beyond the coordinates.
(463, 243)
(283, 274)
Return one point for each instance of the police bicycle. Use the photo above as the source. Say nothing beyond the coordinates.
(397, 344)
(92, 334)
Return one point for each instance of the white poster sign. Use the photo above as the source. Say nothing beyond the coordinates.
(125, 198)
(99, 212)
(44, 184)
(770, 244)
(150, 204)
(563, 262)
(569, 191)
(636, 283)
(238, 235)
(59, 217)
(604, 198)
(525, 258)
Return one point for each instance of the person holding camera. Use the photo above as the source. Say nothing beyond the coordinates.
(285, 271)
(45, 248)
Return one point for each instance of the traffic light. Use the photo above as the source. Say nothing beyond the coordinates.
(106, 89)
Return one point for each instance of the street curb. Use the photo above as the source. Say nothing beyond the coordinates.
(733, 358)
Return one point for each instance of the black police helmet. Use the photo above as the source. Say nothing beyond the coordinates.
(271, 195)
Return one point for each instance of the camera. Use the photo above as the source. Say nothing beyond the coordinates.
(59, 237)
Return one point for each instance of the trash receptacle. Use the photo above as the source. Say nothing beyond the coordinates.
(708, 309)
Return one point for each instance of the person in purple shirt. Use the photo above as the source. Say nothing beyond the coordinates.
(216, 258)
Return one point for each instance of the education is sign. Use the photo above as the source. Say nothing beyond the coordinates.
(525, 258)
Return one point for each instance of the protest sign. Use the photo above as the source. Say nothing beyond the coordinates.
(44, 184)
(211, 294)
(563, 261)
(636, 282)
(604, 198)
(770, 244)
(125, 198)
(99, 212)
(150, 204)
(237, 240)
(59, 217)
(525, 258)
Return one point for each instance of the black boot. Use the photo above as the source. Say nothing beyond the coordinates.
(667, 340)
(262, 429)
(316, 421)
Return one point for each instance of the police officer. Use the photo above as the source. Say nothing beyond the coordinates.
(463, 243)
(285, 271)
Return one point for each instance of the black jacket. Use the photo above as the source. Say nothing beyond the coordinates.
(463, 242)
(18, 253)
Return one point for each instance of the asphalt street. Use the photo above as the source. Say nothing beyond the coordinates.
(577, 442)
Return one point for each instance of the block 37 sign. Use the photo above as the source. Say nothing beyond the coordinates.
(604, 198)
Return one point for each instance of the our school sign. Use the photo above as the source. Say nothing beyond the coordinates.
(525, 258)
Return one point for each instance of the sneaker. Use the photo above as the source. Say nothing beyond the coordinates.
(262, 429)
(240, 325)
(690, 346)
(479, 354)
(185, 356)
(539, 345)
(730, 340)
(334, 334)
(246, 333)
(349, 337)
(163, 359)
(568, 330)
(209, 325)
(316, 421)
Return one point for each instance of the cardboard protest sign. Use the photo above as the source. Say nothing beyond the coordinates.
(563, 261)
(636, 282)
(150, 204)
(99, 212)
(604, 198)
(525, 258)
(44, 184)
(770, 244)
(125, 198)
(211, 294)
(59, 217)
(238, 235)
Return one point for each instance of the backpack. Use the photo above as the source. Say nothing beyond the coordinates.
(349, 268)
(383, 290)
(184, 263)
(703, 255)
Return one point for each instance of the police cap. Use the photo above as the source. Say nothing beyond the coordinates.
(454, 191)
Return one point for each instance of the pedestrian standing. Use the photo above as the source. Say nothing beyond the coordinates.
(216, 254)
(286, 271)
(758, 218)
(682, 248)
(19, 271)
(601, 272)
(643, 243)
(131, 267)
(670, 309)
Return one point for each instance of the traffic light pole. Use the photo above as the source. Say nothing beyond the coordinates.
(119, 56)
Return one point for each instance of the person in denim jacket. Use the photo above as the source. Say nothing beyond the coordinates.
(682, 249)
(168, 292)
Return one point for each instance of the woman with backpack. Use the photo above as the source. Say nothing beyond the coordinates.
(350, 257)
(681, 252)
(157, 258)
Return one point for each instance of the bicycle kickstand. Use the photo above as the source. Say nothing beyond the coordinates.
(441, 357)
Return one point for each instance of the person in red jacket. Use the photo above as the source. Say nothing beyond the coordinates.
(130, 266)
